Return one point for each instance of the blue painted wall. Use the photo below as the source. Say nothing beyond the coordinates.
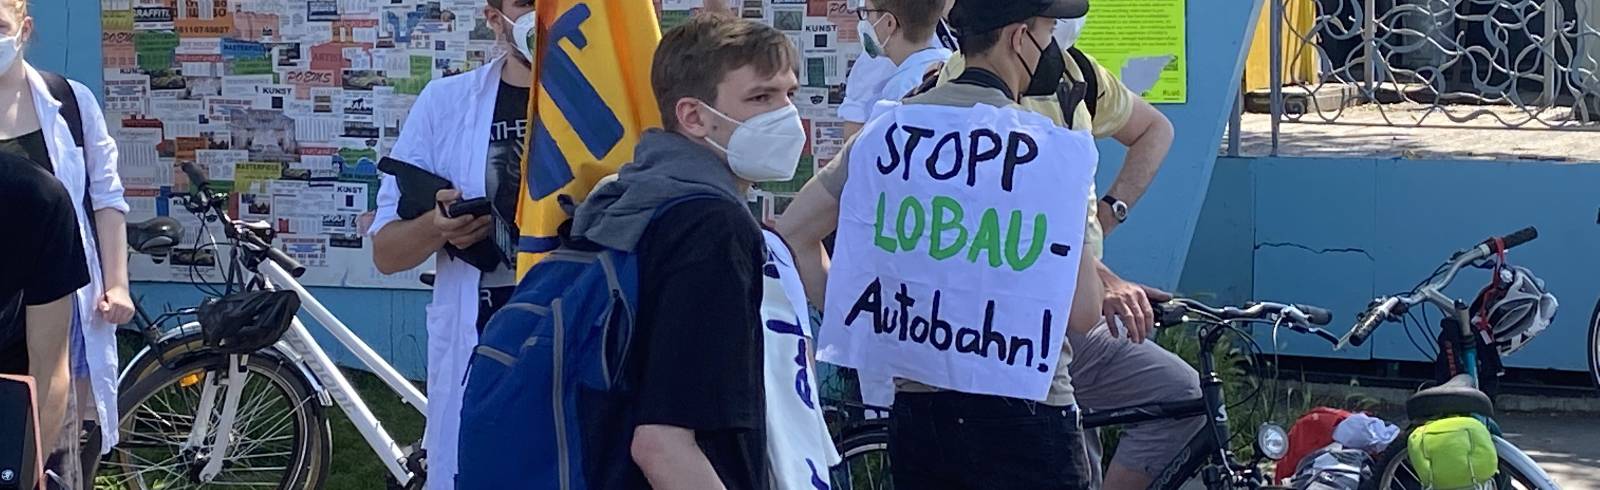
(66, 39)
(1152, 247)
(1338, 232)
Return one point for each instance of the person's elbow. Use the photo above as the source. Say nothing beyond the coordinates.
(386, 256)
(654, 446)
(1087, 299)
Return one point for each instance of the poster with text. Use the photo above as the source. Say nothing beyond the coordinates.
(957, 246)
(1142, 42)
(287, 105)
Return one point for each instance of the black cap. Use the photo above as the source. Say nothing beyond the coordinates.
(980, 16)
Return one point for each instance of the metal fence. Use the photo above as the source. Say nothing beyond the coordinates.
(1528, 64)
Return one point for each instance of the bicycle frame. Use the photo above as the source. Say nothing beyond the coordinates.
(328, 380)
(1208, 445)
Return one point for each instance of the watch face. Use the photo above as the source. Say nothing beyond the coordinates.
(1120, 210)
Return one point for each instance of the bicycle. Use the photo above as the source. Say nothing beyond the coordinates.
(1460, 394)
(1594, 344)
(1208, 454)
(193, 416)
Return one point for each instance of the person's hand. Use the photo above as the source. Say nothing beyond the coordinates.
(1128, 304)
(115, 305)
(461, 231)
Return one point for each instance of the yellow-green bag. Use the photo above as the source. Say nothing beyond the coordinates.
(1453, 453)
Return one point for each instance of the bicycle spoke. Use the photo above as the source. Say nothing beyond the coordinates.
(262, 448)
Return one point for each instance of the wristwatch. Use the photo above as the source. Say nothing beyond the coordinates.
(1119, 209)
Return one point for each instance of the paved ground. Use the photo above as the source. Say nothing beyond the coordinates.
(1389, 132)
(1566, 445)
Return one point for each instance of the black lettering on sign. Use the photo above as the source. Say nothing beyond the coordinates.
(938, 150)
(976, 156)
(1021, 149)
(916, 136)
(894, 152)
(903, 323)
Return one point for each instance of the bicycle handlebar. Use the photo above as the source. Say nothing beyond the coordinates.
(1386, 308)
(1298, 317)
(253, 242)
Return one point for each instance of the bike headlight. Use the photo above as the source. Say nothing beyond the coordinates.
(1272, 441)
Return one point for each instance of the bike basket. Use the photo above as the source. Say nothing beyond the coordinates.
(247, 322)
(1453, 453)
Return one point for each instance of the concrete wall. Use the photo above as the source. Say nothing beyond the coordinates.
(1338, 232)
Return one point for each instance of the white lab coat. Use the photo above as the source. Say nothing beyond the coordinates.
(105, 192)
(447, 134)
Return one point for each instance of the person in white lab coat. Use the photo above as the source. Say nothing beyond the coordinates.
(38, 126)
(467, 129)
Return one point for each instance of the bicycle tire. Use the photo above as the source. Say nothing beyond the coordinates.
(309, 449)
(870, 449)
(1594, 344)
(1388, 476)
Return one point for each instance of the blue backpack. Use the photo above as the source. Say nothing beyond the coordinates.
(548, 378)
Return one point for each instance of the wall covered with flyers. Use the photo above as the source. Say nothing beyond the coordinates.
(287, 104)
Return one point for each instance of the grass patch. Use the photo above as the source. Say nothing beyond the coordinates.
(355, 466)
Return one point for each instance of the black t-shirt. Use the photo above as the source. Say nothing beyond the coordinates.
(699, 360)
(503, 178)
(46, 264)
(30, 146)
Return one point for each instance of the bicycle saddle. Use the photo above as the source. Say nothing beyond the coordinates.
(156, 236)
(1459, 396)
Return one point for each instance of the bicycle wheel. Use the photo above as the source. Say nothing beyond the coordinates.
(1395, 473)
(1594, 344)
(280, 436)
(865, 464)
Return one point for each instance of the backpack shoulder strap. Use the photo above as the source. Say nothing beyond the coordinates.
(61, 89)
(1091, 78)
(929, 80)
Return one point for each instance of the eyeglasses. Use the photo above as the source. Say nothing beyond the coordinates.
(861, 13)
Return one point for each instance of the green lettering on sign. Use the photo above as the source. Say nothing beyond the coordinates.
(878, 238)
(947, 215)
(908, 239)
(1013, 236)
(988, 238)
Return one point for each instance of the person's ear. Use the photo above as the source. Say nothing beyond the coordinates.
(24, 34)
(691, 118)
(892, 24)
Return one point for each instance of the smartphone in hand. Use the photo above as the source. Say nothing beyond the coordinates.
(469, 207)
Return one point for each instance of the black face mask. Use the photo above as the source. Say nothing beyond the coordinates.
(1047, 75)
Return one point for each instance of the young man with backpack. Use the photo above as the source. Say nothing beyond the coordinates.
(650, 311)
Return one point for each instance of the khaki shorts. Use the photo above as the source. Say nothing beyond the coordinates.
(1110, 372)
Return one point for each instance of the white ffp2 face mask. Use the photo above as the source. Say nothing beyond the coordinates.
(767, 147)
(872, 44)
(1067, 31)
(8, 52)
(523, 33)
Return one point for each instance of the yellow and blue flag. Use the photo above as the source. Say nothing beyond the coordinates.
(591, 104)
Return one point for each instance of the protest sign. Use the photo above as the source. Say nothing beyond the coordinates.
(960, 234)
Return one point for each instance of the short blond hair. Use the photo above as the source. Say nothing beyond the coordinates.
(18, 8)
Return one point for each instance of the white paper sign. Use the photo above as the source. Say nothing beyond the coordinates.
(960, 233)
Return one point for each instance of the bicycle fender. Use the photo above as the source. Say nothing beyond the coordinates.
(189, 335)
(1510, 454)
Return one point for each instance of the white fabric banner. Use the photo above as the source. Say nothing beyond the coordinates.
(960, 233)
(798, 444)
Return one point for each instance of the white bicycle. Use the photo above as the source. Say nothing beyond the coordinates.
(195, 414)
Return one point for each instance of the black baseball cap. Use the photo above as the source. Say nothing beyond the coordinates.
(980, 16)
